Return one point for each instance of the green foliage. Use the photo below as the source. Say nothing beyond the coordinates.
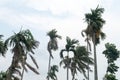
(70, 46)
(112, 68)
(52, 44)
(2, 75)
(2, 47)
(80, 61)
(110, 77)
(111, 53)
(52, 72)
(95, 23)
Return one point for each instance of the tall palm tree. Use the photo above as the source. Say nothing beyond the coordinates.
(70, 46)
(94, 31)
(2, 47)
(23, 44)
(52, 44)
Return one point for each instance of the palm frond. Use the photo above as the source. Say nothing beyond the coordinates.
(61, 53)
(103, 36)
(17, 72)
(31, 68)
(34, 61)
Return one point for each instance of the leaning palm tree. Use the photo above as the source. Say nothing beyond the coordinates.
(2, 47)
(52, 44)
(70, 46)
(23, 44)
(94, 31)
(80, 61)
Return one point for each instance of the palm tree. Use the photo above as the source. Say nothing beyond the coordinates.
(2, 47)
(52, 44)
(80, 61)
(70, 46)
(94, 31)
(52, 72)
(23, 44)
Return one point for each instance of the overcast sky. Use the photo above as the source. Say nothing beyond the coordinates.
(66, 16)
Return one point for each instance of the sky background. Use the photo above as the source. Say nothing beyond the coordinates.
(67, 17)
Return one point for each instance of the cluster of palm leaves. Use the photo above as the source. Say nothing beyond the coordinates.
(95, 24)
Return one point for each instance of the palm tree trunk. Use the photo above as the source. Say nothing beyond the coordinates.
(49, 65)
(88, 60)
(11, 68)
(95, 60)
(73, 77)
(23, 68)
(67, 67)
(67, 74)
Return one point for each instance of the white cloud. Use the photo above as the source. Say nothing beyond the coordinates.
(58, 7)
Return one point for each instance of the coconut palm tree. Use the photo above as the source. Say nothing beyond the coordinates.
(23, 44)
(52, 72)
(94, 31)
(52, 44)
(80, 61)
(69, 47)
(2, 47)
